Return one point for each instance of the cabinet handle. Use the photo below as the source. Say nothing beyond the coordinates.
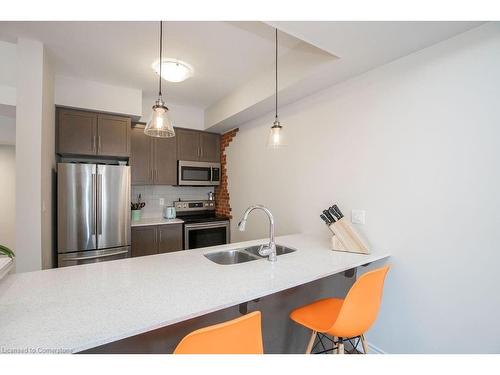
(98, 143)
(93, 144)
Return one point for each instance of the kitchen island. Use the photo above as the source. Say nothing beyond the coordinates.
(77, 308)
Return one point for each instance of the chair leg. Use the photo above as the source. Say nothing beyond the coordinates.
(335, 347)
(340, 346)
(311, 342)
(365, 345)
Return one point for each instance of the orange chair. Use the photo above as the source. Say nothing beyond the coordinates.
(345, 318)
(242, 335)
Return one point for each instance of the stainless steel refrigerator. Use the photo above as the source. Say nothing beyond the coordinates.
(93, 213)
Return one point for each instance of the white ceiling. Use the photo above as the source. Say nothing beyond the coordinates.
(224, 55)
(359, 46)
(229, 58)
(375, 40)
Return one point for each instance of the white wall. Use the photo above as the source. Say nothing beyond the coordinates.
(78, 93)
(7, 95)
(8, 195)
(48, 165)
(34, 157)
(7, 130)
(181, 115)
(28, 152)
(416, 144)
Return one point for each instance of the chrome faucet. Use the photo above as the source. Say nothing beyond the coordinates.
(268, 250)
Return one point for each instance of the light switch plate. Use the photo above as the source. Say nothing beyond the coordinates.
(358, 216)
(162, 201)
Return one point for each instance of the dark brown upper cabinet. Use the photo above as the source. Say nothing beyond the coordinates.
(77, 132)
(188, 144)
(209, 147)
(113, 135)
(165, 161)
(141, 160)
(153, 161)
(90, 133)
(197, 146)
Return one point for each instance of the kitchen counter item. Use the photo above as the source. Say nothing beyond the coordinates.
(344, 238)
(169, 212)
(181, 285)
(136, 215)
(197, 173)
(155, 221)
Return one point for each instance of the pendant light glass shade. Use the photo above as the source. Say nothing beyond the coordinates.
(160, 125)
(277, 137)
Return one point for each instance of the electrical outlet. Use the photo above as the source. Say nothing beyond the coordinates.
(162, 201)
(358, 216)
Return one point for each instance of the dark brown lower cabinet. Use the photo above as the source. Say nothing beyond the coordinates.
(169, 238)
(144, 241)
(155, 239)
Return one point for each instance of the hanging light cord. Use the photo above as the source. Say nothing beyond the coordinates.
(276, 78)
(161, 45)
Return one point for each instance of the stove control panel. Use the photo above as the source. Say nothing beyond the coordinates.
(183, 206)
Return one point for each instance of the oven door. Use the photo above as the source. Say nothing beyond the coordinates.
(206, 234)
(195, 173)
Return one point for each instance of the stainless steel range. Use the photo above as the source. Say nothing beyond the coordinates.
(201, 226)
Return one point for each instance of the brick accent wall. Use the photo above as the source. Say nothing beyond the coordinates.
(222, 206)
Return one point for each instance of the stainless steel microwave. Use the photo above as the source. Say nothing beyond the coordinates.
(198, 173)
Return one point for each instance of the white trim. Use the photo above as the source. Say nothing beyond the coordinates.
(375, 350)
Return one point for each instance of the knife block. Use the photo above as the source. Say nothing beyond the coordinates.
(345, 238)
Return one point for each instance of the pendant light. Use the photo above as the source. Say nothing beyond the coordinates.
(276, 138)
(160, 125)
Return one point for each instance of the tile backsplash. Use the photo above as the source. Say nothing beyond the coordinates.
(151, 194)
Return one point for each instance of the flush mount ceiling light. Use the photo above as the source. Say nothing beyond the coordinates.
(173, 70)
(160, 125)
(276, 137)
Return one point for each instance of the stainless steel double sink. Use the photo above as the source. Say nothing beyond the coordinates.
(244, 254)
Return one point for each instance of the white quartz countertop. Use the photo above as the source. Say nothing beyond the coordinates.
(154, 221)
(77, 308)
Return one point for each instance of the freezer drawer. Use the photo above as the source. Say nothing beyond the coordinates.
(93, 256)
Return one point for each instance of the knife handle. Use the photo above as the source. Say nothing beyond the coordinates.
(334, 213)
(337, 210)
(325, 219)
(329, 216)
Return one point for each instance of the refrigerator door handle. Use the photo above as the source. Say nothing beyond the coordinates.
(99, 204)
(94, 204)
(100, 256)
